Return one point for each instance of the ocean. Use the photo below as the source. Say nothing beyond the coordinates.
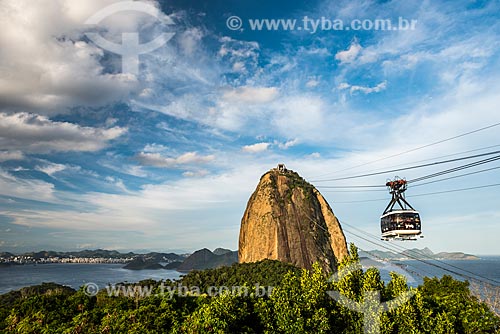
(77, 274)
(486, 269)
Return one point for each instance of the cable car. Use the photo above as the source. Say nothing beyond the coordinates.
(403, 222)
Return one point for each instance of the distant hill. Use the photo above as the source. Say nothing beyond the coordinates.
(377, 254)
(172, 265)
(139, 264)
(417, 253)
(425, 252)
(205, 259)
(6, 254)
(221, 251)
(201, 259)
(154, 261)
(455, 256)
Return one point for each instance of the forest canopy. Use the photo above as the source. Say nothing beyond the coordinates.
(287, 300)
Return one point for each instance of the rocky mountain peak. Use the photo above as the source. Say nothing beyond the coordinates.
(287, 219)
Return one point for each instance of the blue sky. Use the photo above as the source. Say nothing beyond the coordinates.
(91, 157)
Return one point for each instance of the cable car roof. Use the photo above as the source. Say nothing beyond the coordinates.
(399, 212)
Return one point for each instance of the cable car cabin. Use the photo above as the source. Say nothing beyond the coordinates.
(401, 223)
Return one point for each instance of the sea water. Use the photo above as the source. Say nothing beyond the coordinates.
(75, 275)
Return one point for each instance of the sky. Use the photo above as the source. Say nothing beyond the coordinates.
(166, 158)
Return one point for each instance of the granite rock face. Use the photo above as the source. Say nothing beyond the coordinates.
(287, 219)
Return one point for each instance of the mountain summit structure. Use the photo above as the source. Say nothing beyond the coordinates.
(287, 219)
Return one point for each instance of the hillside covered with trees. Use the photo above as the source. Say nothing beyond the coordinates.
(298, 303)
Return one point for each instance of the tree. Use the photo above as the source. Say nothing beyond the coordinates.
(299, 304)
(225, 313)
(452, 303)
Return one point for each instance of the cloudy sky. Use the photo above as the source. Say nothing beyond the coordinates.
(166, 158)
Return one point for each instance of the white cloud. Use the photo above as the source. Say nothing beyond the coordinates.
(231, 115)
(232, 110)
(37, 190)
(366, 90)
(50, 168)
(255, 148)
(47, 66)
(248, 94)
(237, 49)
(196, 173)
(31, 133)
(314, 51)
(115, 162)
(11, 155)
(20, 169)
(118, 183)
(348, 9)
(240, 57)
(288, 144)
(189, 40)
(302, 117)
(158, 160)
(349, 55)
(314, 155)
(81, 220)
(239, 66)
(177, 208)
(292, 115)
(154, 148)
(313, 82)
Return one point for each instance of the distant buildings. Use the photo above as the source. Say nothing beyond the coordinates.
(24, 259)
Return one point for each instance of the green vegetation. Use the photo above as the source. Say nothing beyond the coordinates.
(265, 273)
(299, 303)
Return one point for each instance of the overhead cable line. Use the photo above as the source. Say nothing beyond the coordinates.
(357, 186)
(416, 148)
(355, 191)
(455, 169)
(426, 194)
(447, 155)
(413, 167)
(457, 176)
(457, 190)
(415, 185)
(422, 178)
